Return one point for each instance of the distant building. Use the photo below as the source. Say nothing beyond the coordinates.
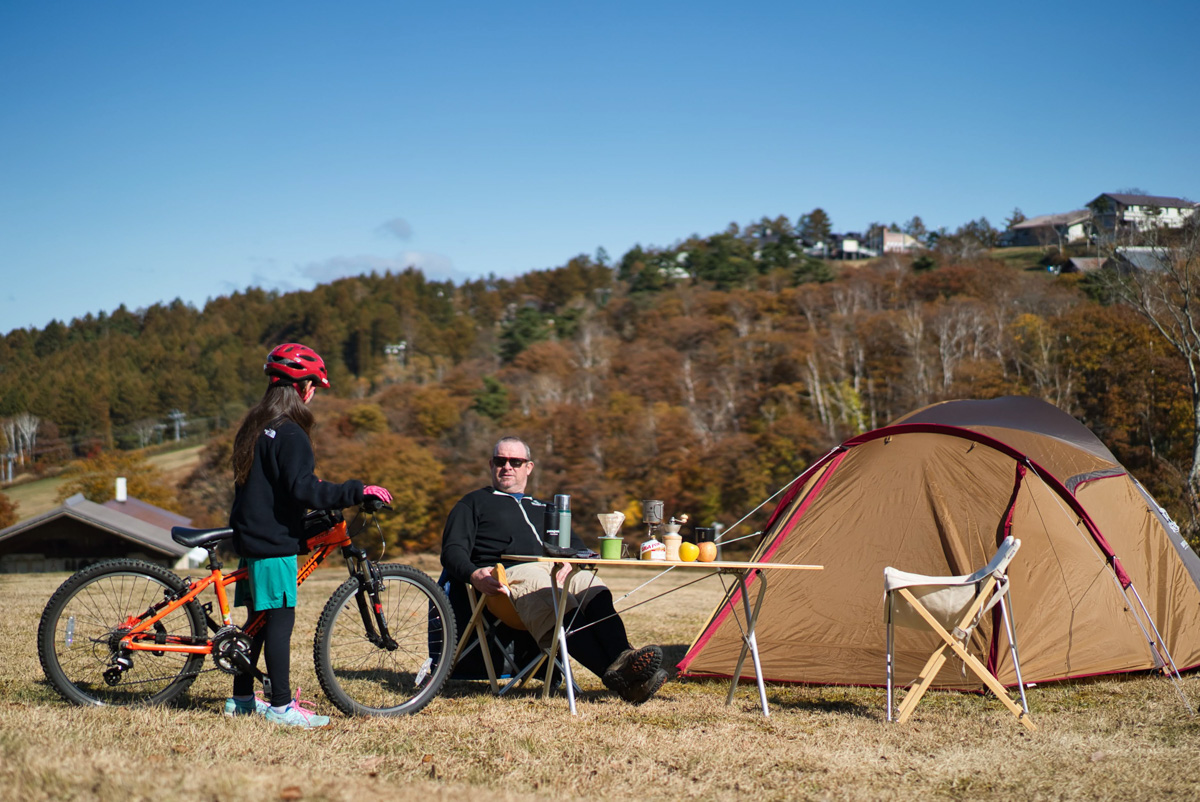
(850, 246)
(886, 241)
(1117, 214)
(1048, 229)
(1144, 259)
(1083, 264)
(81, 532)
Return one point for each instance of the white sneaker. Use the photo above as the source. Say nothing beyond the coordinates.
(296, 715)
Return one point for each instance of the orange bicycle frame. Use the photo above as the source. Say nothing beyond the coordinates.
(140, 636)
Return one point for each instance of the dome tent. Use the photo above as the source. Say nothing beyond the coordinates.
(1103, 583)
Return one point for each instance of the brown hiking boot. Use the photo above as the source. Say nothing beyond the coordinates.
(641, 692)
(633, 668)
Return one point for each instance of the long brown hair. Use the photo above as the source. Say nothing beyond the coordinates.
(279, 401)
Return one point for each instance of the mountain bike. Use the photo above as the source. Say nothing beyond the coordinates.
(129, 632)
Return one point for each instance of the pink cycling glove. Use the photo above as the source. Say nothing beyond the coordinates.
(378, 492)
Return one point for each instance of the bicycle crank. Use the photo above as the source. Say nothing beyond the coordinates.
(231, 651)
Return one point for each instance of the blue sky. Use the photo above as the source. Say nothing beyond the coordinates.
(152, 151)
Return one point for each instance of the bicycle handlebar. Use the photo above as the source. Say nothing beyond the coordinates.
(373, 504)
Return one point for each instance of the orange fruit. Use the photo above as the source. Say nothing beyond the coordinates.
(688, 552)
(708, 551)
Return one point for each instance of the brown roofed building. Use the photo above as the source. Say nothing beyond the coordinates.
(81, 532)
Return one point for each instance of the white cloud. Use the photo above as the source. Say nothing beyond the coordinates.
(397, 227)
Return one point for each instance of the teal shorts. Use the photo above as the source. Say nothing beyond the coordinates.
(270, 583)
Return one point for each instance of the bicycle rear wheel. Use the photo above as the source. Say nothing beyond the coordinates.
(85, 619)
(368, 678)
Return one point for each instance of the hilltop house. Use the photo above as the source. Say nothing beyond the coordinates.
(850, 246)
(1048, 229)
(885, 241)
(1116, 214)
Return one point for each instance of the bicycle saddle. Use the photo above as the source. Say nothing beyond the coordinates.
(199, 537)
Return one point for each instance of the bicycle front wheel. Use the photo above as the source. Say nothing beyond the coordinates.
(83, 624)
(365, 675)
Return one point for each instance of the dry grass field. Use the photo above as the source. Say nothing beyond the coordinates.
(1107, 740)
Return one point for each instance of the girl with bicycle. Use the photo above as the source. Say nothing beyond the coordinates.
(274, 488)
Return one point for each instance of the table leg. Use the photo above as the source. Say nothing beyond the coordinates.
(559, 598)
(750, 641)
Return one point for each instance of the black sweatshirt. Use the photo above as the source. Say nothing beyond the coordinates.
(487, 523)
(268, 510)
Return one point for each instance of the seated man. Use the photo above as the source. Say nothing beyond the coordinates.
(501, 519)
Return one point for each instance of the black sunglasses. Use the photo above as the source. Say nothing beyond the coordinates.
(516, 462)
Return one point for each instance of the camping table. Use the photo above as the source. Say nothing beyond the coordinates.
(741, 570)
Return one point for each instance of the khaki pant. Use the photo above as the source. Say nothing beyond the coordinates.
(532, 596)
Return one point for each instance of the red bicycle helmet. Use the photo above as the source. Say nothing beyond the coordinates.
(291, 363)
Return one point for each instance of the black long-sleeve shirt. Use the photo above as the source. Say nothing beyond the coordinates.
(268, 510)
(487, 523)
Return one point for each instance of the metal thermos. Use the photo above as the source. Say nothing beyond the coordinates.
(551, 524)
(563, 503)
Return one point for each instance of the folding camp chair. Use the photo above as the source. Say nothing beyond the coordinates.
(493, 644)
(951, 606)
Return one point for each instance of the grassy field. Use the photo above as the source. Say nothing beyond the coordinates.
(38, 496)
(1107, 740)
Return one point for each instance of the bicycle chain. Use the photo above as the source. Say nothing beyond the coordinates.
(191, 675)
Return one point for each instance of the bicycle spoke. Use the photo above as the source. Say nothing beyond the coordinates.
(362, 677)
(81, 626)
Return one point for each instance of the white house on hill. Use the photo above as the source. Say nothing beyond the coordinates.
(1117, 213)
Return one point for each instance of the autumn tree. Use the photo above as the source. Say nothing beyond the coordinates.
(1166, 292)
(96, 479)
(401, 464)
(814, 227)
(207, 493)
(8, 511)
(916, 229)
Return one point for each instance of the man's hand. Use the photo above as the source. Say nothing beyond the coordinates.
(484, 580)
(563, 574)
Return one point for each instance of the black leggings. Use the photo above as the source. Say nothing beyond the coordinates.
(276, 639)
(598, 645)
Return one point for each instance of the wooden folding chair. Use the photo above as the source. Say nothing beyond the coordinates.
(952, 606)
(481, 632)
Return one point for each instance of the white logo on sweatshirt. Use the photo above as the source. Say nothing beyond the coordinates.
(269, 433)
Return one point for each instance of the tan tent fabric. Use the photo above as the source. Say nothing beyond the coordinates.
(925, 497)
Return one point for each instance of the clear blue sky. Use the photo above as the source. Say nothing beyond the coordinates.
(155, 150)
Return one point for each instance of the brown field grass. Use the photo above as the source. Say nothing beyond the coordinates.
(1108, 740)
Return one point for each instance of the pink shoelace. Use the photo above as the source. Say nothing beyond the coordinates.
(297, 704)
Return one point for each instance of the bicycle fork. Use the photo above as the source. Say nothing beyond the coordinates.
(370, 608)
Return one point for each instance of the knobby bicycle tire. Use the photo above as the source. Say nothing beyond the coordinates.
(366, 679)
(82, 624)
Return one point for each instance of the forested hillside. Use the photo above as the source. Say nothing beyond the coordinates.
(708, 373)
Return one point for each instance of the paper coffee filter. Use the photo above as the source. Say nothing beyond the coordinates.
(611, 522)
